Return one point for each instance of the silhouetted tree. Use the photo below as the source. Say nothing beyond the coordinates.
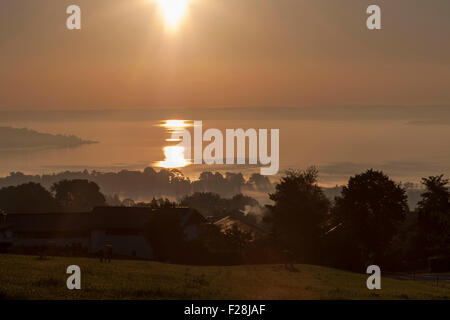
(215, 249)
(433, 219)
(141, 184)
(226, 186)
(368, 214)
(240, 202)
(206, 203)
(299, 213)
(259, 182)
(211, 204)
(27, 198)
(235, 181)
(160, 203)
(78, 195)
(238, 239)
(128, 202)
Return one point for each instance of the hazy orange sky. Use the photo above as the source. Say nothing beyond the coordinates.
(223, 53)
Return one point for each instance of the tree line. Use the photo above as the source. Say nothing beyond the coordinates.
(76, 195)
(151, 182)
(368, 223)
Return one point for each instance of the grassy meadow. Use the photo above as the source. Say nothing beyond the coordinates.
(28, 277)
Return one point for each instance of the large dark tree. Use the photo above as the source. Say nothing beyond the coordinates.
(368, 214)
(27, 198)
(78, 195)
(299, 212)
(433, 220)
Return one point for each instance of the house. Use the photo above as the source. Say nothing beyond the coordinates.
(124, 228)
(229, 222)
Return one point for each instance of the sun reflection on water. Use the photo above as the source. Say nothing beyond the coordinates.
(174, 155)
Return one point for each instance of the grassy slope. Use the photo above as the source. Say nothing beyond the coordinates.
(27, 277)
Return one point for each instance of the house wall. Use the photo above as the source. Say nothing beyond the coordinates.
(125, 245)
(191, 232)
(60, 242)
(120, 227)
(122, 245)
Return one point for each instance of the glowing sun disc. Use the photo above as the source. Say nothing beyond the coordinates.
(172, 10)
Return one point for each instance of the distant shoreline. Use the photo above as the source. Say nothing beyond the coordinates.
(18, 139)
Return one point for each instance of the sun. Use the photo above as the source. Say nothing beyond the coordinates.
(173, 11)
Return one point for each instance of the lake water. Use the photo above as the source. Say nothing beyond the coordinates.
(339, 148)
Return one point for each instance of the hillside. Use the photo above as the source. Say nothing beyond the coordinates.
(28, 277)
(15, 138)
